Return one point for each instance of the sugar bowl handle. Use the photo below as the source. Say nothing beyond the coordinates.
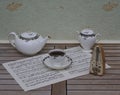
(98, 37)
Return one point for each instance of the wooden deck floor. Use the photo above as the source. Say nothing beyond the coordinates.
(109, 84)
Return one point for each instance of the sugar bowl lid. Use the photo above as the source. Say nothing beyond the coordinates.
(87, 32)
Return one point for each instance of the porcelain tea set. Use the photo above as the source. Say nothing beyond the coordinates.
(87, 39)
(30, 43)
(57, 59)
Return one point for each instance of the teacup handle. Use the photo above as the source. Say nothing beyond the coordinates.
(98, 37)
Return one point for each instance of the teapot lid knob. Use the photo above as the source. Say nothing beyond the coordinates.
(29, 36)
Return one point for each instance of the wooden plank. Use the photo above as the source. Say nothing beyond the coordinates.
(94, 82)
(112, 51)
(8, 82)
(109, 44)
(112, 58)
(109, 84)
(95, 87)
(115, 66)
(59, 88)
(94, 93)
(114, 62)
(112, 55)
(14, 87)
(4, 61)
(93, 77)
(25, 93)
(8, 85)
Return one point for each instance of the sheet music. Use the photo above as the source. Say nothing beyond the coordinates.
(31, 73)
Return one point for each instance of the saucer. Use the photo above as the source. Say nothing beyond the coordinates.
(61, 65)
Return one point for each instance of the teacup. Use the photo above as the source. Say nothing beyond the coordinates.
(57, 56)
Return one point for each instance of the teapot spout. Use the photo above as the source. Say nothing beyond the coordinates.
(44, 41)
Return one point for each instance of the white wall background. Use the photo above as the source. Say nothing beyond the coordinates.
(60, 18)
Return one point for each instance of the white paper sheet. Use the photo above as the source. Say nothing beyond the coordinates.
(31, 73)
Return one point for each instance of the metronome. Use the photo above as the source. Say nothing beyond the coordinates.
(97, 64)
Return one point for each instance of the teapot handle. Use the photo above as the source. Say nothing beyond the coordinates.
(11, 38)
(98, 37)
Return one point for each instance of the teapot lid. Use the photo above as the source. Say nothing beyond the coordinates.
(87, 32)
(29, 36)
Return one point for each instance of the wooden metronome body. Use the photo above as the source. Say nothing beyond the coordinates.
(97, 64)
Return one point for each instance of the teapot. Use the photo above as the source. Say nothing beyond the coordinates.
(28, 43)
(88, 38)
